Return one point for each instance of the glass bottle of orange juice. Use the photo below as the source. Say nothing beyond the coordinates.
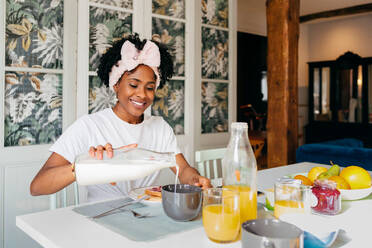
(239, 170)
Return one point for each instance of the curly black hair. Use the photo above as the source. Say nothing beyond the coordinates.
(112, 56)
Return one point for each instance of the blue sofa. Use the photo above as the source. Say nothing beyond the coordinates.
(344, 152)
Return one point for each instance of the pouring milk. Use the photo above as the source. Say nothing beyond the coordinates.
(127, 164)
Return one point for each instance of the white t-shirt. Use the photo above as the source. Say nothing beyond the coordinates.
(106, 127)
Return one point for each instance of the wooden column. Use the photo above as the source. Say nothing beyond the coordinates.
(282, 62)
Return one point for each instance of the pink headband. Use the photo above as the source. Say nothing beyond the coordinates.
(131, 57)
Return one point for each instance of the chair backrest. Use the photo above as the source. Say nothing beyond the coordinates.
(257, 146)
(208, 161)
(59, 199)
(204, 158)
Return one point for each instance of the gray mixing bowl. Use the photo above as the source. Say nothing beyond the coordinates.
(182, 205)
(270, 233)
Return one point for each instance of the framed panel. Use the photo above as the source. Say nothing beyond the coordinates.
(128, 4)
(105, 27)
(214, 113)
(168, 26)
(171, 8)
(33, 108)
(172, 34)
(215, 53)
(215, 12)
(109, 21)
(34, 47)
(34, 34)
(170, 103)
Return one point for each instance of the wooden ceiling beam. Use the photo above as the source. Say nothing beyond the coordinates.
(358, 9)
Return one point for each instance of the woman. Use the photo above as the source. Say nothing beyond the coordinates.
(134, 69)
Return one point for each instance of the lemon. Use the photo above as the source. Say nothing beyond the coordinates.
(304, 180)
(340, 181)
(315, 172)
(357, 177)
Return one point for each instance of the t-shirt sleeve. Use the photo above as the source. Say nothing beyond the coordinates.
(72, 142)
(172, 140)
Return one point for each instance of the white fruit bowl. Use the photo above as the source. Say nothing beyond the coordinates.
(346, 194)
(355, 194)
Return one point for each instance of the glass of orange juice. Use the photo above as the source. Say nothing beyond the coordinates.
(221, 214)
(291, 197)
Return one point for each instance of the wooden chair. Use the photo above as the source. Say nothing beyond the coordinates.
(208, 161)
(257, 146)
(59, 199)
(204, 158)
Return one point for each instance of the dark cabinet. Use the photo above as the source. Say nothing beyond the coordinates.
(340, 99)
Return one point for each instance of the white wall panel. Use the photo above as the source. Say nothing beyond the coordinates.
(1, 207)
(18, 201)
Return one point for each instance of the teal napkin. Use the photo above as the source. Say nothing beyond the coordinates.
(158, 226)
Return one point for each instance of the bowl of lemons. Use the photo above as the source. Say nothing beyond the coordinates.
(353, 182)
(359, 181)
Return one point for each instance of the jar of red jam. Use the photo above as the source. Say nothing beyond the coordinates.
(328, 197)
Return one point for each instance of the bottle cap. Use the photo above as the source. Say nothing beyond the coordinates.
(239, 125)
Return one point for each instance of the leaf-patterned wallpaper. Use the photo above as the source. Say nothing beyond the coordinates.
(170, 100)
(170, 103)
(215, 56)
(33, 100)
(172, 8)
(215, 12)
(34, 33)
(128, 4)
(33, 108)
(106, 27)
(215, 65)
(172, 34)
(100, 96)
(214, 107)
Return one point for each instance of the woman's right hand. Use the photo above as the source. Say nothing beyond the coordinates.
(97, 152)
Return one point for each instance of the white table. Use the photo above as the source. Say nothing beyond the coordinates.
(65, 228)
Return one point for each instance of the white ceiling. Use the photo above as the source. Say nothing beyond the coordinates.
(315, 6)
(252, 13)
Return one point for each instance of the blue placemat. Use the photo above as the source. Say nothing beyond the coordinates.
(138, 229)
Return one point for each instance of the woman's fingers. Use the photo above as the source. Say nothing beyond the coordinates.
(92, 151)
(99, 152)
(109, 150)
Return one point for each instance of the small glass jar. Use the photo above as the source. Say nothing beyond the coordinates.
(328, 197)
(291, 197)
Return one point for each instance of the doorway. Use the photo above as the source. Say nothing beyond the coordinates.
(252, 87)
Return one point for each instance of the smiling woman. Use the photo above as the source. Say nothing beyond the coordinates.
(134, 69)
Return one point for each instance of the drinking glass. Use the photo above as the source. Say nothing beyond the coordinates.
(221, 214)
(291, 197)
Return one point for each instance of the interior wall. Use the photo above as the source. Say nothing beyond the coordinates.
(252, 17)
(328, 40)
(303, 58)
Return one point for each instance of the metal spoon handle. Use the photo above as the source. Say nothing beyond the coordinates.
(124, 205)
